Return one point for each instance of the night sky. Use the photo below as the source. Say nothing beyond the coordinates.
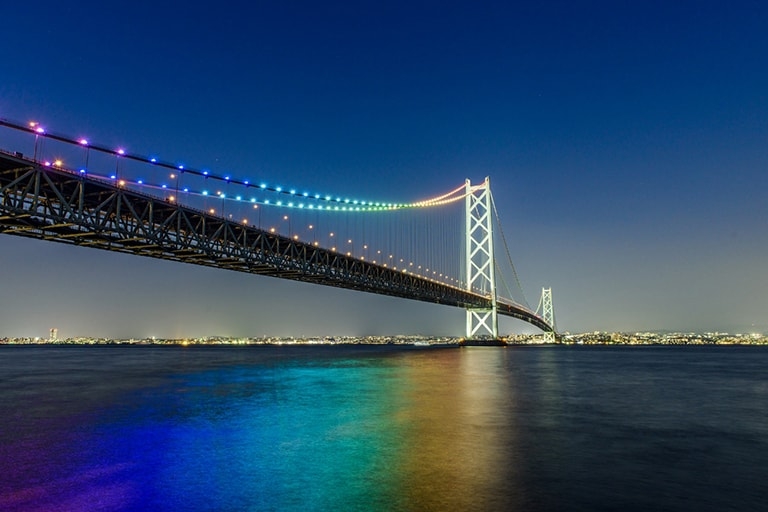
(627, 143)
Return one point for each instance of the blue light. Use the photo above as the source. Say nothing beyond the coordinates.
(140, 182)
(311, 207)
(239, 198)
(290, 205)
(317, 196)
(226, 178)
(266, 201)
(306, 194)
(263, 185)
(246, 183)
(205, 173)
(186, 189)
(165, 186)
(223, 196)
(301, 205)
(153, 160)
(253, 199)
(293, 191)
(327, 198)
(279, 189)
(82, 171)
(181, 167)
(205, 192)
(346, 200)
(279, 203)
(113, 177)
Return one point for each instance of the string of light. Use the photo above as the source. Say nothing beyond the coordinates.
(344, 204)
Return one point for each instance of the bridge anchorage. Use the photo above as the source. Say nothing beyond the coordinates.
(75, 192)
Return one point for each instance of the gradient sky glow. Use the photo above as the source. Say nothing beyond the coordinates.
(627, 143)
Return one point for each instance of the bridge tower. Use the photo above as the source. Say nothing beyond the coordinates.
(548, 314)
(480, 265)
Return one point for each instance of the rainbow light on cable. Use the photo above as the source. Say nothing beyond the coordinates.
(340, 204)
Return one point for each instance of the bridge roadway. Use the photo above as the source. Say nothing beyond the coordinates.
(48, 203)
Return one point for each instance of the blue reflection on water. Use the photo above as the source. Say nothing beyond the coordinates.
(256, 437)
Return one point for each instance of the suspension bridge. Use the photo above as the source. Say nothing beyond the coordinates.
(441, 249)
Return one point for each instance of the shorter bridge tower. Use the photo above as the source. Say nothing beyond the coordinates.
(480, 265)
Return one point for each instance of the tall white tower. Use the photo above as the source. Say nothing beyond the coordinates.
(548, 314)
(479, 259)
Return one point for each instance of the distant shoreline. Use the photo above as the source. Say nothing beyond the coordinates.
(594, 338)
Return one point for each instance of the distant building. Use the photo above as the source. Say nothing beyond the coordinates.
(54, 335)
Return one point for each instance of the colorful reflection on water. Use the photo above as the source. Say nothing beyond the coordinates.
(354, 428)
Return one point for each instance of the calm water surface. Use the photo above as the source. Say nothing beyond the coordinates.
(383, 428)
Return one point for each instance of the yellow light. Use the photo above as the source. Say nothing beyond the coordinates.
(295, 237)
(171, 199)
(245, 221)
(212, 210)
(121, 183)
(173, 175)
(271, 230)
(255, 207)
(57, 163)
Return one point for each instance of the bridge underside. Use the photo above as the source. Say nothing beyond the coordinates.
(57, 205)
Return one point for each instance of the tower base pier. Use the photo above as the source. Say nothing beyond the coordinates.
(488, 342)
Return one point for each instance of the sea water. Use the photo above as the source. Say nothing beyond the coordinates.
(383, 428)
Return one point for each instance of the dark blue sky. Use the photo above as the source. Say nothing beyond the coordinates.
(627, 143)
